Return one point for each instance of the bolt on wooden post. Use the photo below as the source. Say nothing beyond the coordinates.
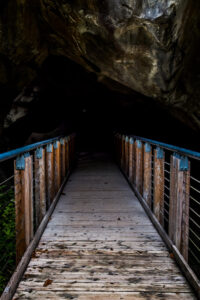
(147, 174)
(131, 142)
(138, 166)
(23, 177)
(158, 204)
(40, 185)
(57, 165)
(179, 203)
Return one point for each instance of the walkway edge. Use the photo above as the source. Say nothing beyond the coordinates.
(185, 268)
(12, 285)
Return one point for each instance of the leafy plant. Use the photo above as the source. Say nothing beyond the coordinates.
(7, 234)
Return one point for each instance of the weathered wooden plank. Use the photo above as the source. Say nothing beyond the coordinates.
(131, 149)
(139, 166)
(57, 164)
(63, 157)
(28, 199)
(40, 185)
(147, 174)
(104, 261)
(86, 295)
(126, 155)
(173, 194)
(24, 204)
(158, 204)
(106, 286)
(50, 174)
(19, 213)
(179, 205)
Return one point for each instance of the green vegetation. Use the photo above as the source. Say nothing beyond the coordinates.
(7, 234)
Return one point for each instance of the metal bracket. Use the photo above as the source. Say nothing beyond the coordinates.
(184, 164)
(20, 163)
(49, 148)
(55, 145)
(175, 154)
(131, 141)
(139, 144)
(39, 152)
(147, 147)
(160, 153)
(62, 141)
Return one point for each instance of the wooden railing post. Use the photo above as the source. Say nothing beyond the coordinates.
(138, 166)
(40, 185)
(57, 165)
(147, 174)
(158, 204)
(63, 163)
(126, 167)
(24, 203)
(67, 154)
(131, 146)
(179, 203)
(50, 173)
(19, 166)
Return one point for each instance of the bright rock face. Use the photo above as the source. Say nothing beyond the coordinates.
(151, 47)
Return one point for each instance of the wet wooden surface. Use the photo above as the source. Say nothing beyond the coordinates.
(99, 244)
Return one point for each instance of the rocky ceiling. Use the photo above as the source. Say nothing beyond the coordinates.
(136, 47)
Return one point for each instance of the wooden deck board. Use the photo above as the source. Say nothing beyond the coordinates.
(99, 244)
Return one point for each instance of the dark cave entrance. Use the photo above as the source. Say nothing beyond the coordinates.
(71, 99)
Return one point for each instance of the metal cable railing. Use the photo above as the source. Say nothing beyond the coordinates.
(30, 180)
(167, 181)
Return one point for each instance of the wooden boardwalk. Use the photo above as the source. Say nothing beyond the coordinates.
(99, 244)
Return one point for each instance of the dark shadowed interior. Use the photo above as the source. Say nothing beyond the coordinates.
(70, 99)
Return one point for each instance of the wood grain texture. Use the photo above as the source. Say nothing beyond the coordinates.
(147, 177)
(19, 213)
(127, 156)
(50, 169)
(63, 157)
(139, 167)
(40, 188)
(99, 244)
(179, 206)
(158, 204)
(131, 161)
(57, 165)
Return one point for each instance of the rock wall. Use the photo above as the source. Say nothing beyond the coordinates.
(151, 47)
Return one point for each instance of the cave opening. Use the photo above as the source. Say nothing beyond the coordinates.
(66, 98)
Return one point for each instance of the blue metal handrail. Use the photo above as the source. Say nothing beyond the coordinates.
(13, 153)
(182, 151)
